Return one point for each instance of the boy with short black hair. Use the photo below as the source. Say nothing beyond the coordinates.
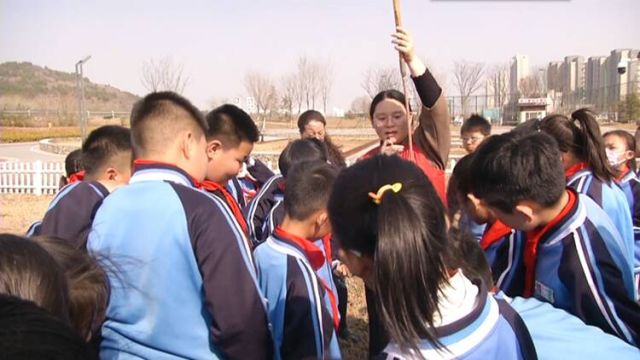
(230, 140)
(190, 288)
(497, 240)
(106, 158)
(473, 131)
(287, 263)
(573, 256)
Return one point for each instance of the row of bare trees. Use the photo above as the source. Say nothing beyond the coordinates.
(308, 86)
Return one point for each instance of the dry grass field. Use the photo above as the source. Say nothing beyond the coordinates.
(18, 211)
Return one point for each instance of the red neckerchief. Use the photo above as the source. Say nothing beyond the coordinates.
(533, 239)
(495, 231)
(624, 170)
(316, 259)
(211, 186)
(76, 176)
(137, 163)
(281, 186)
(574, 169)
(326, 243)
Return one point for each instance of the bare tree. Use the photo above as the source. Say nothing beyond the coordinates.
(379, 79)
(290, 90)
(360, 105)
(531, 86)
(309, 80)
(498, 79)
(263, 91)
(326, 83)
(467, 78)
(163, 75)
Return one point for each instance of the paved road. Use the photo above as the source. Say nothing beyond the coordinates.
(26, 152)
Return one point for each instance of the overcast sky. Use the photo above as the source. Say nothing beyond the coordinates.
(219, 41)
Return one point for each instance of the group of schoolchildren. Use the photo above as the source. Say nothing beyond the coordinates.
(172, 242)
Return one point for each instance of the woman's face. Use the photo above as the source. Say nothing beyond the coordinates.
(314, 129)
(390, 121)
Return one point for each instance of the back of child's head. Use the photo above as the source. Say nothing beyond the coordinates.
(385, 208)
(88, 284)
(476, 123)
(629, 142)
(30, 332)
(106, 146)
(459, 184)
(29, 272)
(308, 189)
(73, 162)
(470, 257)
(157, 118)
(231, 125)
(514, 167)
(299, 151)
(580, 136)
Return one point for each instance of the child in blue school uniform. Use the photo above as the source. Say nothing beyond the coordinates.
(572, 255)
(287, 262)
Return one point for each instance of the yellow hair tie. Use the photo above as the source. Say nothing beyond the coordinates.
(377, 197)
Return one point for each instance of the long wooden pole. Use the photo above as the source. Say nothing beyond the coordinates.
(403, 75)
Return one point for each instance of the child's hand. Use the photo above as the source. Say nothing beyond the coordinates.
(389, 147)
(342, 270)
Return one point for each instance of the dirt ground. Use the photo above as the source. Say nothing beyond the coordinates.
(18, 211)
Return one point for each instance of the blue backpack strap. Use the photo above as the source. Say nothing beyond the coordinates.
(520, 329)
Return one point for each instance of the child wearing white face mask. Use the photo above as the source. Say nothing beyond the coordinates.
(621, 148)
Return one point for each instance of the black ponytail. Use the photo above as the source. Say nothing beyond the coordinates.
(592, 144)
(406, 235)
(581, 136)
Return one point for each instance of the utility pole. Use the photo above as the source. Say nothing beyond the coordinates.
(82, 107)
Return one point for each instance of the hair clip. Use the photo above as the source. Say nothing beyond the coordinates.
(377, 197)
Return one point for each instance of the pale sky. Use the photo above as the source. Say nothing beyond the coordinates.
(219, 41)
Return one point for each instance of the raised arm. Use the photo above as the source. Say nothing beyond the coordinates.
(433, 134)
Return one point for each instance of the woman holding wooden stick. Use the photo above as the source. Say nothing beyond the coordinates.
(430, 143)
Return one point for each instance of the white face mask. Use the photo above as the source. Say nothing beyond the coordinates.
(615, 158)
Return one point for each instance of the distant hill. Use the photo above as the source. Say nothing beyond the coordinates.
(27, 86)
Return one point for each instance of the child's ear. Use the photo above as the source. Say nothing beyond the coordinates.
(474, 200)
(213, 147)
(111, 174)
(525, 211)
(629, 154)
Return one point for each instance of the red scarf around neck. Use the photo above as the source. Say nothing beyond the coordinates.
(317, 260)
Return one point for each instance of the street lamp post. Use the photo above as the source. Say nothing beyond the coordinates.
(82, 107)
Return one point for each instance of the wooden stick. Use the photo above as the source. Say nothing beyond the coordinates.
(403, 75)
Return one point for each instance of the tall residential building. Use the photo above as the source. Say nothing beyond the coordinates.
(573, 74)
(596, 81)
(519, 71)
(620, 84)
(554, 76)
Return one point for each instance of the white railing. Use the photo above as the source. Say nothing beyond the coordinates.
(37, 178)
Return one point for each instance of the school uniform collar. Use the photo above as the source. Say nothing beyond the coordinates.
(541, 235)
(470, 318)
(576, 171)
(150, 170)
(494, 232)
(306, 247)
(626, 175)
(99, 188)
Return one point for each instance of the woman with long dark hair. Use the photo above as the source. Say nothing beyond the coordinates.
(312, 124)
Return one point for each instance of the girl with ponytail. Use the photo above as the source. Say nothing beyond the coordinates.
(392, 231)
(587, 169)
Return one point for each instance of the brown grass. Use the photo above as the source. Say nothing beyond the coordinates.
(18, 211)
